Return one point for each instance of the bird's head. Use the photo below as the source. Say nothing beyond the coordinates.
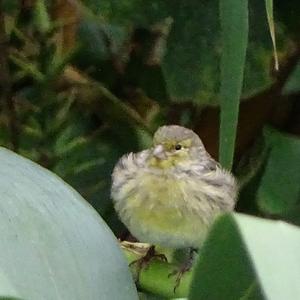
(173, 145)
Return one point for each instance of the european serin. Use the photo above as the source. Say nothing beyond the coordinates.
(168, 195)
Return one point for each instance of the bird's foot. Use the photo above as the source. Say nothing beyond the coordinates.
(143, 262)
(184, 267)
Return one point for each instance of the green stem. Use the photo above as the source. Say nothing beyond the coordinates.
(155, 278)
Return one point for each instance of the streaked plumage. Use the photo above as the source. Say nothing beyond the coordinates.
(169, 196)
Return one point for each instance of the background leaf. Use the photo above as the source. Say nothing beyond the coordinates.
(234, 25)
(279, 188)
(293, 83)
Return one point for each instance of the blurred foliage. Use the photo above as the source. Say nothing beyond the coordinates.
(191, 62)
(279, 188)
(83, 82)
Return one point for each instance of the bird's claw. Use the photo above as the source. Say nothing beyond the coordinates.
(143, 262)
(183, 268)
(179, 273)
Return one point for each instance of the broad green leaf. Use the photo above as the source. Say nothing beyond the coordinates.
(234, 25)
(269, 9)
(7, 291)
(279, 188)
(274, 250)
(53, 244)
(248, 258)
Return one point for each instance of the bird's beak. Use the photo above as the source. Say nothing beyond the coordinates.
(159, 152)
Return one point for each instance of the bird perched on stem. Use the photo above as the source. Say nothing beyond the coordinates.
(169, 195)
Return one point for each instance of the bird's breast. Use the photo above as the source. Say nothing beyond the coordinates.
(172, 208)
(159, 200)
(160, 211)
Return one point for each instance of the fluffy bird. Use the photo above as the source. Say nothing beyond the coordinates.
(169, 195)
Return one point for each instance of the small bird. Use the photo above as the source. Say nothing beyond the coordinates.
(170, 194)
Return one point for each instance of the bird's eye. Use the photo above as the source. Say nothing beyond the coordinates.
(178, 147)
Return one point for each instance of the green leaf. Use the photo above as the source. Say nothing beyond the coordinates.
(7, 291)
(53, 244)
(248, 258)
(223, 270)
(269, 10)
(279, 188)
(274, 249)
(234, 24)
(42, 19)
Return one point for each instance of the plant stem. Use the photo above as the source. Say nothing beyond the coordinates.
(155, 277)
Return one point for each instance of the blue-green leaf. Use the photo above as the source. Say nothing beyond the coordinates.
(248, 258)
(53, 244)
